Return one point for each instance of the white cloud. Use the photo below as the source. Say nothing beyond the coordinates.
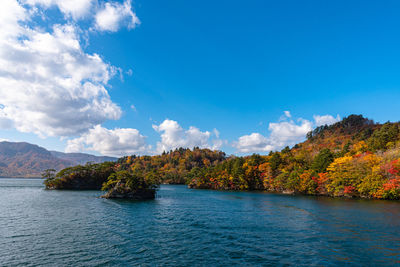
(127, 141)
(114, 15)
(216, 132)
(288, 133)
(10, 13)
(283, 133)
(109, 16)
(218, 143)
(254, 142)
(325, 119)
(48, 84)
(117, 142)
(174, 136)
(71, 8)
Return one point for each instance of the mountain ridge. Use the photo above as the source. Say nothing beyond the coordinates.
(22, 159)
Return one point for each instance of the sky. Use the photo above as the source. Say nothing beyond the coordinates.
(142, 77)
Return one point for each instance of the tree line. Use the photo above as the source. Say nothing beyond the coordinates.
(352, 158)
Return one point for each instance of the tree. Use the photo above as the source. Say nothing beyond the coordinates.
(379, 140)
(49, 174)
(274, 162)
(322, 160)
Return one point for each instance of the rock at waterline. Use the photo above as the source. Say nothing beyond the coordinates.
(120, 191)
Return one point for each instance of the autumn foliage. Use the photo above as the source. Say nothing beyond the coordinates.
(352, 158)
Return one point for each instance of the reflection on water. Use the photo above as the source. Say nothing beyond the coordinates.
(192, 227)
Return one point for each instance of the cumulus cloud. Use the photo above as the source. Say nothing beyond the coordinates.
(174, 136)
(325, 119)
(283, 133)
(254, 142)
(71, 8)
(10, 13)
(127, 141)
(48, 84)
(116, 142)
(114, 15)
(288, 132)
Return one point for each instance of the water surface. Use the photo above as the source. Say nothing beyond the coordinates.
(192, 227)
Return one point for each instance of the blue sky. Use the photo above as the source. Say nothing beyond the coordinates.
(233, 66)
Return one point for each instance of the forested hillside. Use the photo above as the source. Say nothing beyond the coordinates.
(20, 159)
(176, 167)
(27, 160)
(353, 158)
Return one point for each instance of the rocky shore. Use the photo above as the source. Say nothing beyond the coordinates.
(121, 191)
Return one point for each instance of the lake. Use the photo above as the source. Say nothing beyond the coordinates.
(188, 227)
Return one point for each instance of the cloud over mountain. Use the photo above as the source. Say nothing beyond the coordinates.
(116, 142)
(325, 119)
(287, 132)
(174, 136)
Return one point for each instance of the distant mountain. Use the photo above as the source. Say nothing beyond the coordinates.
(27, 160)
(81, 158)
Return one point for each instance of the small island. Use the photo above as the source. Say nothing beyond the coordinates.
(121, 184)
(124, 184)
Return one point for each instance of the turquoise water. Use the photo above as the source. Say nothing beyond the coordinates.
(192, 227)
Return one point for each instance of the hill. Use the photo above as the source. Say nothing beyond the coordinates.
(81, 158)
(20, 159)
(351, 158)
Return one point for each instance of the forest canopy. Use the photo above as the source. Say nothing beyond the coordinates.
(352, 158)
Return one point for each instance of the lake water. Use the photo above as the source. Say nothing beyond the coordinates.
(185, 227)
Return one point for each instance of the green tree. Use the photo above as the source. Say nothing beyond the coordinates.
(274, 162)
(322, 160)
(379, 140)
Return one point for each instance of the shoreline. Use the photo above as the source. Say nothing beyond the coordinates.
(295, 194)
(6, 177)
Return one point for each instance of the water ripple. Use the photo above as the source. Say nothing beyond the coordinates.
(192, 228)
